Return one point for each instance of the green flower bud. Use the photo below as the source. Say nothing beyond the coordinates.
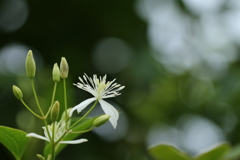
(17, 92)
(40, 157)
(64, 114)
(64, 68)
(30, 65)
(55, 111)
(101, 120)
(63, 118)
(56, 73)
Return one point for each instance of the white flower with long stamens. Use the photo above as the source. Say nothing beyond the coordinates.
(59, 131)
(100, 89)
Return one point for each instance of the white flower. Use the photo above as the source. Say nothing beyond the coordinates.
(100, 89)
(59, 130)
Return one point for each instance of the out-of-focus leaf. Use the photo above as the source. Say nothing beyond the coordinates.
(234, 153)
(166, 152)
(85, 124)
(216, 153)
(14, 140)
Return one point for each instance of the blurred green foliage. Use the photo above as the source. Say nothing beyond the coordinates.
(166, 152)
(153, 96)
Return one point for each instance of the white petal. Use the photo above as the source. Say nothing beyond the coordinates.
(109, 96)
(110, 110)
(37, 136)
(81, 106)
(46, 133)
(74, 141)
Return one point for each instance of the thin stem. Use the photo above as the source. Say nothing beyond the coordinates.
(65, 100)
(35, 96)
(67, 131)
(53, 143)
(61, 138)
(83, 131)
(53, 152)
(39, 107)
(73, 132)
(53, 97)
(54, 92)
(93, 106)
(45, 124)
(35, 114)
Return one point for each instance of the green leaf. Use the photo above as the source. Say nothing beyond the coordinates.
(234, 153)
(14, 140)
(166, 152)
(216, 153)
(85, 124)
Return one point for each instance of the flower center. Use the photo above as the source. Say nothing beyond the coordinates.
(100, 90)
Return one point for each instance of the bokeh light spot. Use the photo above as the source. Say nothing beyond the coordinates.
(13, 15)
(12, 59)
(111, 55)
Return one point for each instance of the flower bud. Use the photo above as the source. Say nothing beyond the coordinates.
(40, 157)
(17, 92)
(64, 68)
(64, 118)
(64, 114)
(30, 65)
(101, 120)
(55, 111)
(56, 73)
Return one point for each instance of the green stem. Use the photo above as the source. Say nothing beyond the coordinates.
(61, 138)
(53, 97)
(53, 143)
(39, 107)
(35, 114)
(67, 131)
(45, 124)
(93, 106)
(73, 132)
(35, 96)
(65, 100)
(83, 131)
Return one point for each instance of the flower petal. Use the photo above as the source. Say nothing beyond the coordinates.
(81, 106)
(37, 136)
(74, 141)
(45, 132)
(110, 110)
(109, 96)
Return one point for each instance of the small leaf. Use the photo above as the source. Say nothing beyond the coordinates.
(14, 140)
(216, 153)
(166, 152)
(85, 124)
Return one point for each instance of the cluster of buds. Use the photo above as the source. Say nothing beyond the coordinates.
(57, 130)
(57, 73)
